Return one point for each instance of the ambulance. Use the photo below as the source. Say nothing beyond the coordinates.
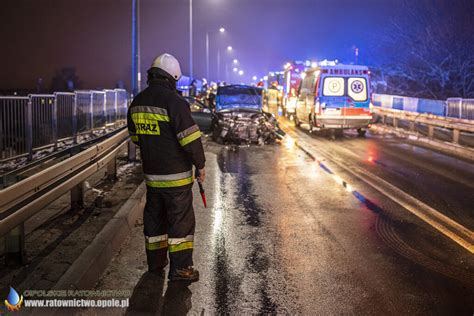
(334, 97)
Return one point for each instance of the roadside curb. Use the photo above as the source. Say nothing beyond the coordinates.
(90, 265)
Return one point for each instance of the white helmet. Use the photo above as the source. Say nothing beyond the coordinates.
(169, 64)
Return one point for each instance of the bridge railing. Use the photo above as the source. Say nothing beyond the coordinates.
(66, 114)
(452, 107)
(460, 108)
(16, 133)
(408, 104)
(23, 199)
(446, 125)
(28, 124)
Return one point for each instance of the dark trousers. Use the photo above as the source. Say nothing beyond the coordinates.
(169, 225)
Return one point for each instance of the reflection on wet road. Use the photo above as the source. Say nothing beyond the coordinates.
(281, 236)
(288, 239)
(235, 194)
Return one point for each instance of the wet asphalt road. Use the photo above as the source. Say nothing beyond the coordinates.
(280, 236)
(442, 182)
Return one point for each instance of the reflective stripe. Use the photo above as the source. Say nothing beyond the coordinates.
(134, 138)
(188, 131)
(190, 138)
(147, 123)
(156, 242)
(170, 184)
(152, 239)
(167, 177)
(148, 109)
(156, 245)
(181, 247)
(140, 116)
(177, 241)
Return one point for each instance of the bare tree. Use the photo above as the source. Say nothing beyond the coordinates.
(428, 49)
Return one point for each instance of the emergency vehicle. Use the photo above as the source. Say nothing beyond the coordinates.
(291, 83)
(335, 97)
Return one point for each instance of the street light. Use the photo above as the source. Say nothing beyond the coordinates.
(236, 61)
(229, 51)
(254, 78)
(191, 38)
(135, 47)
(235, 69)
(221, 30)
(241, 72)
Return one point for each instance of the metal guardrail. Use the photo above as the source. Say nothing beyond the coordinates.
(28, 124)
(24, 199)
(431, 121)
(460, 108)
(21, 172)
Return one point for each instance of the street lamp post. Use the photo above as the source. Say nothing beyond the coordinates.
(221, 30)
(218, 64)
(229, 49)
(135, 64)
(226, 75)
(135, 47)
(191, 38)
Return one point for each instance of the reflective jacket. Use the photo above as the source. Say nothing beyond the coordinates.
(160, 122)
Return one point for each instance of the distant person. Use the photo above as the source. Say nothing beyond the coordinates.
(160, 122)
(39, 85)
(193, 89)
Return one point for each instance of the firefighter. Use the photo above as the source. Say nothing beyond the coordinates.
(160, 122)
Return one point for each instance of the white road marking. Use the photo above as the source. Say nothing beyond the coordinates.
(448, 227)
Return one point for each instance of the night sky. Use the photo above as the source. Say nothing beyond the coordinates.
(39, 37)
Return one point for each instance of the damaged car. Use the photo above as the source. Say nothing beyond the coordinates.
(239, 118)
(201, 113)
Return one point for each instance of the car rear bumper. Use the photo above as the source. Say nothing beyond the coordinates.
(356, 121)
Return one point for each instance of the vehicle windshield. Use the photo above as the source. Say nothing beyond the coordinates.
(238, 97)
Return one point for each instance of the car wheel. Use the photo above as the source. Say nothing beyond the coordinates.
(311, 123)
(297, 121)
(361, 132)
